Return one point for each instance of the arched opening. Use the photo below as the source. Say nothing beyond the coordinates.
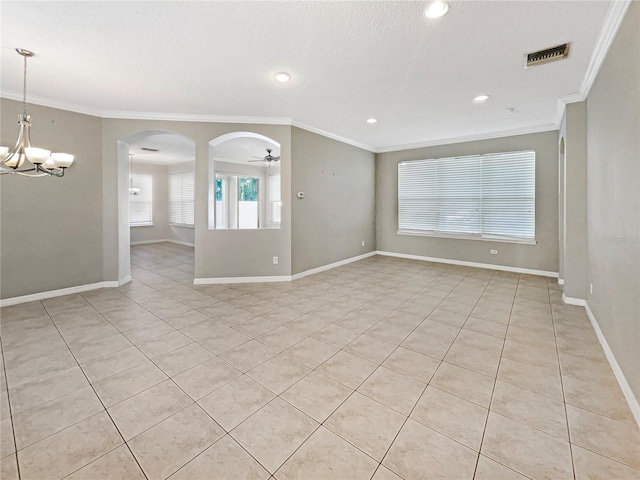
(156, 197)
(244, 182)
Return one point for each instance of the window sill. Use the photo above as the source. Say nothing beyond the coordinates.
(467, 237)
(141, 225)
(181, 225)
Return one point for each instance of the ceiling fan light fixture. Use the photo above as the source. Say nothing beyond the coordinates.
(436, 9)
(282, 77)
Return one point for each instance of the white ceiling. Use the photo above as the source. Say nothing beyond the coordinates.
(349, 61)
(244, 149)
(171, 148)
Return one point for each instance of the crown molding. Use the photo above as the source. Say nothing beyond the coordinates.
(547, 127)
(192, 117)
(615, 16)
(51, 103)
(333, 136)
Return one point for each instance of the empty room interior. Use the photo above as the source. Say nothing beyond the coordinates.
(376, 240)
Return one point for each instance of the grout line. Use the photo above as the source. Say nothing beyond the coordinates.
(13, 430)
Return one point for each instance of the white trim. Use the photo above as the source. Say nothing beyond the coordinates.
(617, 371)
(615, 16)
(324, 268)
(333, 136)
(580, 302)
(5, 302)
(145, 242)
(502, 268)
(225, 280)
(419, 233)
(560, 281)
(51, 103)
(281, 278)
(199, 118)
(120, 283)
(547, 127)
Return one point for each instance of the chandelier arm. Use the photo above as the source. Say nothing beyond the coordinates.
(54, 172)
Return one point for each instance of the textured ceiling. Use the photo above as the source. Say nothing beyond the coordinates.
(349, 61)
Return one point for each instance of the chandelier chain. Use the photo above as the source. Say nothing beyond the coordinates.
(24, 88)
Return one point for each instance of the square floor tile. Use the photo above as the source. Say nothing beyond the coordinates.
(144, 410)
(182, 359)
(233, 403)
(206, 377)
(347, 369)
(420, 452)
(175, 441)
(464, 383)
(452, 416)
(526, 450)
(274, 433)
(224, 460)
(310, 352)
(117, 464)
(367, 424)
(393, 389)
(278, 373)
(317, 396)
(325, 455)
(248, 355)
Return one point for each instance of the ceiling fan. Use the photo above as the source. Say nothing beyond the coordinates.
(268, 158)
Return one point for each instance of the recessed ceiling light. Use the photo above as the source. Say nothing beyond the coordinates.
(481, 98)
(436, 9)
(508, 111)
(371, 120)
(282, 76)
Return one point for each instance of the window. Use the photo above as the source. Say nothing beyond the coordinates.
(480, 196)
(181, 198)
(141, 205)
(275, 202)
(237, 201)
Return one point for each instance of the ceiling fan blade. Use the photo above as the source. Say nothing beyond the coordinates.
(275, 159)
(251, 161)
(253, 156)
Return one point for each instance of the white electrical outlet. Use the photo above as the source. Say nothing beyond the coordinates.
(275, 260)
(363, 243)
(494, 252)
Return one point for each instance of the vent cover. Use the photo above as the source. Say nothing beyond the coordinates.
(147, 149)
(549, 55)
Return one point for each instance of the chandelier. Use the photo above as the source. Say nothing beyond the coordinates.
(132, 189)
(24, 159)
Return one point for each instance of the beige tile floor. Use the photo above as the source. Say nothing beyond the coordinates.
(381, 369)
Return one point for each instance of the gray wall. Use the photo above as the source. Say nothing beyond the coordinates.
(51, 231)
(160, 209)
(338, 211)
(542, 256)
(613, 124)
(218, 253)
(574, 253)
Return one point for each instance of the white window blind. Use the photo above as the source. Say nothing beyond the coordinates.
(181, 198)
(485, 196)
(141, 205)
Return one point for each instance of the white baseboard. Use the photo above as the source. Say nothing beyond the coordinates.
(617, 371)
(165, 240)
(324, 268)
(59, 293)
(122, 282)
(224, 280)
(280, 278)
(581, 302)
(464, 263)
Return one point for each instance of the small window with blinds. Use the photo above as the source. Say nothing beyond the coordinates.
(141, 205)
(488, 196)
(181, 199)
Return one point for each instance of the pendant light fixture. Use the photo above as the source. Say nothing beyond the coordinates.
(24, 159)
(132, 189)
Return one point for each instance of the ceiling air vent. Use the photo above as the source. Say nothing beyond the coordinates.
(549, 55)
(147, 149)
